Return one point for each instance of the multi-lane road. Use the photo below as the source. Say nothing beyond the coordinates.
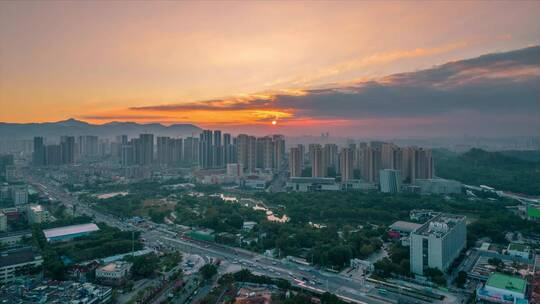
(350, 289)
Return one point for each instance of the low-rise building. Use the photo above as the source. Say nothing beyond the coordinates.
(57, 292)
(115, 273)
(305, 184)
(519, 250)
(37, 214)
(249, 225)
(390, 181)
(502, 288)
(11, 238)
(67, 233)
(13, 261)
(3, 222)
(438, 186)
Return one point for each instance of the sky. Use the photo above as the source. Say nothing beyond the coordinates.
(349, 68)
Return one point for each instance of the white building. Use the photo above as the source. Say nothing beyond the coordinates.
(390, 181)
(19, 194)
(12, 261)
(437, 243)
(115, 273)
(37, 214)
(304, 184)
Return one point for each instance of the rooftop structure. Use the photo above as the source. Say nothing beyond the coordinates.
(405, 227)
(69, 232)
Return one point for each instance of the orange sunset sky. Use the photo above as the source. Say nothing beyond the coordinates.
(242, 65)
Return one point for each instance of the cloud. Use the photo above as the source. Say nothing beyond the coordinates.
(473, 92)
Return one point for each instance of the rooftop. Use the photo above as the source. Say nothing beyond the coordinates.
(37, 208)
(67, 230)
(518, 247)
(405, 226)
(503, 281)
(115, 266)
(18, 256)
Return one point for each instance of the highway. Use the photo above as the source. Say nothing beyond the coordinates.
(308, 277)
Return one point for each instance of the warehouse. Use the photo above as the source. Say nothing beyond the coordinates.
(67, 233)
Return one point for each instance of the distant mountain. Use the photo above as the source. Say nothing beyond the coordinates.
(76, 127)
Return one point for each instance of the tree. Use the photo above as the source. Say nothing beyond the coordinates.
(461, 279)
(208, 271)
(144, 265)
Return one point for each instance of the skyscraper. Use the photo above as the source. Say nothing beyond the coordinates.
(331, 156)
(88, 145)
(191, 151)
(217, 150)
(163, 154)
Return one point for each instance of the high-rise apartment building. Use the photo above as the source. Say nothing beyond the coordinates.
(346, 157)
(191, 151)
(437, 243)
(206, 149)
(331, 157)
(318, 165)
(279, 152)
(67, 147)
(88, 146)
(247, 151)
(295, 162)
(229, 155)
(390, 181)
(145, 149)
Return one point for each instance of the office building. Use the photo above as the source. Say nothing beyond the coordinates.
(13, 262)
(37, 214)
(346, 169)
(437, 243)
(296, 160)
(390, 181)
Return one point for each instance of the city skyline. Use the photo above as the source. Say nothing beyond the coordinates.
(276, 68)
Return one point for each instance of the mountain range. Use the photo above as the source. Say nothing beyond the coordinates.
(75, 127)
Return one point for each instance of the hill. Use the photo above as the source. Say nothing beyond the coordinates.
(495, 169)
(76, 127)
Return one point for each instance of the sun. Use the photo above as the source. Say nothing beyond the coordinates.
(274, 122)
